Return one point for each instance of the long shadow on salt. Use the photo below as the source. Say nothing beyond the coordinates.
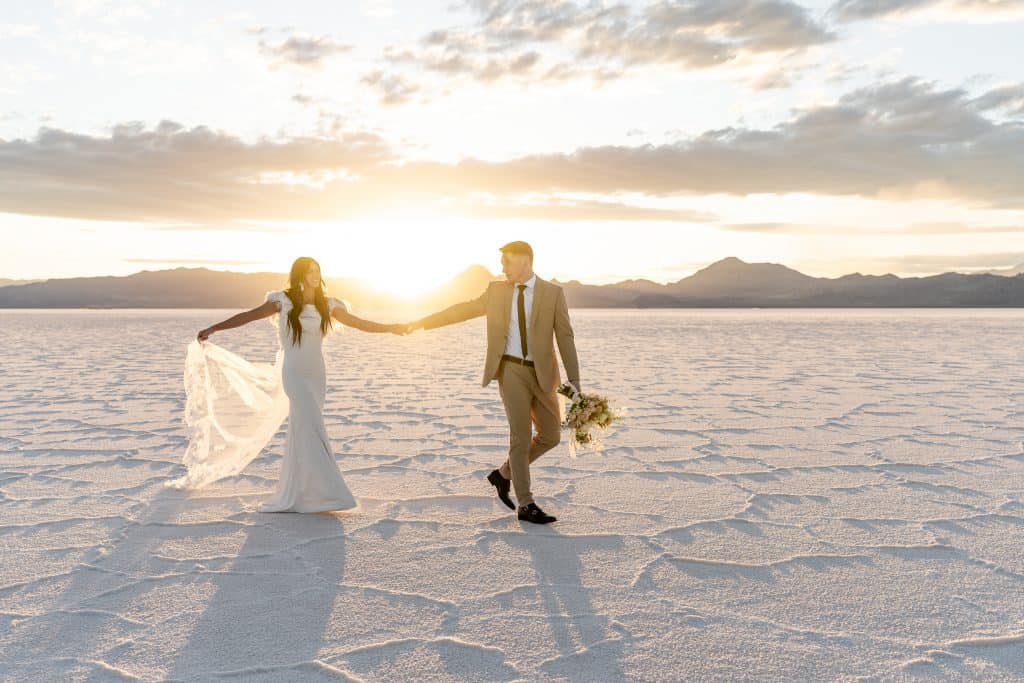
(588, 644)
(270, 606)
(84, 628)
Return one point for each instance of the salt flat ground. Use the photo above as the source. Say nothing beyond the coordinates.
(795, 495)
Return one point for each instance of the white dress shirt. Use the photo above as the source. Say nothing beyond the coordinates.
(513, 347)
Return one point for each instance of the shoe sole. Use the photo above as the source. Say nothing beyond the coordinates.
(534, 521)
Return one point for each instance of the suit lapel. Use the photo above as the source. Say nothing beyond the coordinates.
(539, 291)
(506, 306)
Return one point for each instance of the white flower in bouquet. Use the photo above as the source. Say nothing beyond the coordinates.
(586, 415)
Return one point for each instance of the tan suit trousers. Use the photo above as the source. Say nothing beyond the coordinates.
(526, 406)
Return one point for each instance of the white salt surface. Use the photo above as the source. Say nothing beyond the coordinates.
(808, 495)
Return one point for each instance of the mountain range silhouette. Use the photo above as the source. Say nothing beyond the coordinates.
(729, 283)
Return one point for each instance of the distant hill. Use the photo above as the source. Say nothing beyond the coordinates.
(6, 282)
(204, 288)
(732, 283)
(729, 283)
(1008, 272)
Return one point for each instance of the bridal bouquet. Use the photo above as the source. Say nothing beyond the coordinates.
(586, 414)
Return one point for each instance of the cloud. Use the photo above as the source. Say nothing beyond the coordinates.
(859, 10)
(702, 33)
(173, 173)
(391, 88)
(302, 50)
(1006, 98)
(696, 32)
(898, 140)
(197, 179)
(903, 139)
(958, 229)
(459, 63)
(555, 40)
(913, 229)
(775, 79)
(780, 228)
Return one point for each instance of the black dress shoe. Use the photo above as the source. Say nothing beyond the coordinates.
(503, 485)
(532, 513)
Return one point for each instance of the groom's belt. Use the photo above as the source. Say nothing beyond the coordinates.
(520, 361)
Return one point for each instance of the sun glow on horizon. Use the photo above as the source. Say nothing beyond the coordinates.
(405, 255)
(408, 254)
(405, 284)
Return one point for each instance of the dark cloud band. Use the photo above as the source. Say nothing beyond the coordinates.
(901, 139)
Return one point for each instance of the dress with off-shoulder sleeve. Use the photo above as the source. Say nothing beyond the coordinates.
(310, 480)
(234, 407)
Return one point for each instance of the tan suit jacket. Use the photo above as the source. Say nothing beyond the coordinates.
(549, 320)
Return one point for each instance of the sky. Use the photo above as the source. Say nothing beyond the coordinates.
(401, 142)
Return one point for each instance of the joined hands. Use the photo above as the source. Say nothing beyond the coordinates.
(404, 328)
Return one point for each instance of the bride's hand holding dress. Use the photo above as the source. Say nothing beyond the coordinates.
(235, 407)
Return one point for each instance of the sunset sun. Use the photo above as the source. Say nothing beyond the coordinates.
(404, 255)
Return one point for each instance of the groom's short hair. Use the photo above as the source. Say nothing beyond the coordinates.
(518, 248)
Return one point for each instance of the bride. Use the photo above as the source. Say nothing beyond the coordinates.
(234, 407)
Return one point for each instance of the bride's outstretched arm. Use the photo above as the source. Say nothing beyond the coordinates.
(349, 320)
(264, 310)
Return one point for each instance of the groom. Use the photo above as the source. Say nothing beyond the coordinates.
(524, 316)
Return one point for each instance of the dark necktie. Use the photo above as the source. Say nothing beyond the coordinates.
(521, 308)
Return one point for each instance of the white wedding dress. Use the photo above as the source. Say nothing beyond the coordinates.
(234, 408)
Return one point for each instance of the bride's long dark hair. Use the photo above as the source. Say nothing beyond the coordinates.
(296, 286)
